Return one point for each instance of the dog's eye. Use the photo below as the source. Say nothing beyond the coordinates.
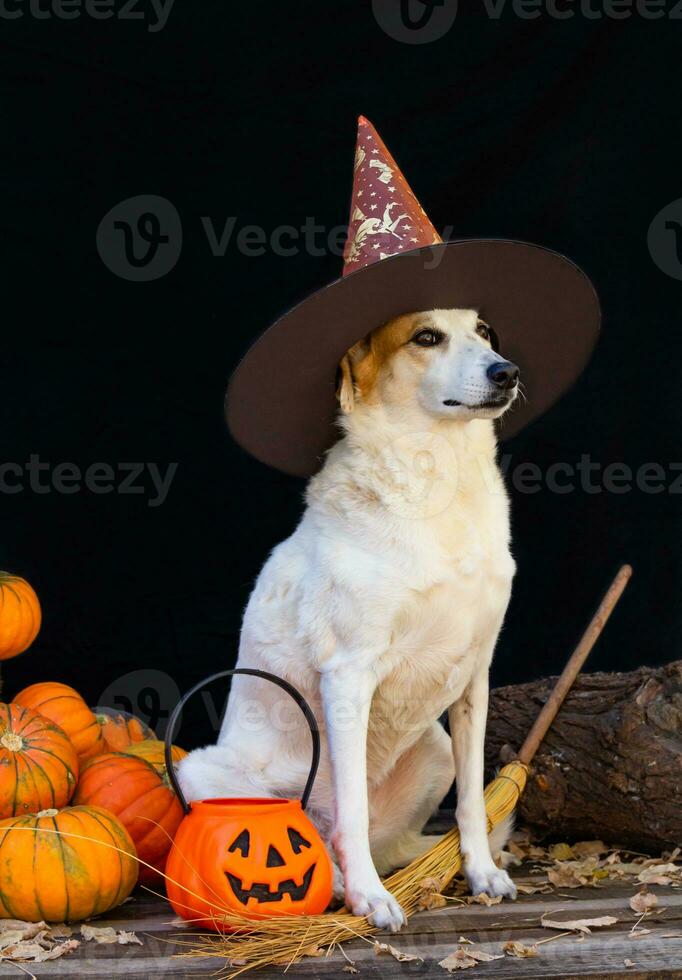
(427, 338)
(487, 333)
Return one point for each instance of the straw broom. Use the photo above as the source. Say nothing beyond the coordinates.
(285, 940)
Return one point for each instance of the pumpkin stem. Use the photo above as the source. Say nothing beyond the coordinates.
(11, 741)
(48, 813)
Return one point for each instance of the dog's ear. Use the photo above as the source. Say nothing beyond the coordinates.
(345, 389)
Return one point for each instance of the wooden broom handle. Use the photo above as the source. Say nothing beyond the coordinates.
(574, 665)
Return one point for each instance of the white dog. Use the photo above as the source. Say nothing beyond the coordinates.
(383, 609)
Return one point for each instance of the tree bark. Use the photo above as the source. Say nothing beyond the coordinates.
(610, 766)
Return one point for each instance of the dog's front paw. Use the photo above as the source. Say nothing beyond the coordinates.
(378, 905)
(490, 880)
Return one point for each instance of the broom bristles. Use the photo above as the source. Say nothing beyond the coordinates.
(284, 939)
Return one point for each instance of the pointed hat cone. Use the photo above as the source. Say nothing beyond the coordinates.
(281, 402)
(385, 216)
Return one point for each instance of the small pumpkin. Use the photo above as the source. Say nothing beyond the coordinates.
(20, 615)
(141, 797)
(61, 865)
(153, 751)
(65, 707)
(121, 729)
(38, 763)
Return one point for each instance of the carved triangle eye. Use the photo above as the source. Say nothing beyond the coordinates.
(297, 841)
(275, 859)
(241, 843)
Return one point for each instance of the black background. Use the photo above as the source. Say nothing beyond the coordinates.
(564, 133)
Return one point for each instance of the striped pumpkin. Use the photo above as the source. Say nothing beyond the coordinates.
(20, 615)
(38, 763)
(121, 729)
(141, 797)
(153, 751)
(66, 708)
(64, 865)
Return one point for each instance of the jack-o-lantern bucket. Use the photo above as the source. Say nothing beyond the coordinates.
(256, 857)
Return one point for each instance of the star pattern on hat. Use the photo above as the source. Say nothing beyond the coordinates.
(395, 220)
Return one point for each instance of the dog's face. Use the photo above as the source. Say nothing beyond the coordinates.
(445, 360)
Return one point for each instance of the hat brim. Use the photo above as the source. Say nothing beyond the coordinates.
(281, 402)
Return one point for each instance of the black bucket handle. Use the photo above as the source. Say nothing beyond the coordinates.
(286, 686)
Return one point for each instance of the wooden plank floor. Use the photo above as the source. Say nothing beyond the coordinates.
(431, 935)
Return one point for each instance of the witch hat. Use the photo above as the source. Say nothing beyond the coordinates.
(281, 401)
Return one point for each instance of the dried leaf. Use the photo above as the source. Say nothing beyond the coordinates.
(589, 848)
(484, 899)
(397, 954)
(542, 889)
(628, 963)
(349, 968)
(564, 877)
(584, 926)
(429, 894)
(106, 935)
(38, 952)
(658, 874)
(19, 929)
(522, 952)
(459, 960)
(482, 956)
(574, 874)
(643, 901)
(463, 959)
(561, 852)
(636, 933)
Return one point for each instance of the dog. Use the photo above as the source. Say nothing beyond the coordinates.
(383, 608)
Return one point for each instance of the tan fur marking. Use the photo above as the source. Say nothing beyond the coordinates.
(362, 365)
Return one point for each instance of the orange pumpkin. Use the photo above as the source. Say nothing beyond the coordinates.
(257, 857)
(154, 752)
(20, 615)
(120, 729)
(141, 798)
(38, 763)
(64, 864)
(66, 708)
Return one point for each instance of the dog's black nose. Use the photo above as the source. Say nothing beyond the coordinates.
(504, 374)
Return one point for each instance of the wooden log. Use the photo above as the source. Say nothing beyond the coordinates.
(610, 766)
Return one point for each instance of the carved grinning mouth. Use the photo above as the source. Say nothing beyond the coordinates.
(260, 891)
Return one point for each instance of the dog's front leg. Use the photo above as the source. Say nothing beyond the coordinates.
(467, 725)
(346, 698)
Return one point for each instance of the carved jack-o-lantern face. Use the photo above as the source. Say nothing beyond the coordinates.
(259, 857)
(288, 870)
